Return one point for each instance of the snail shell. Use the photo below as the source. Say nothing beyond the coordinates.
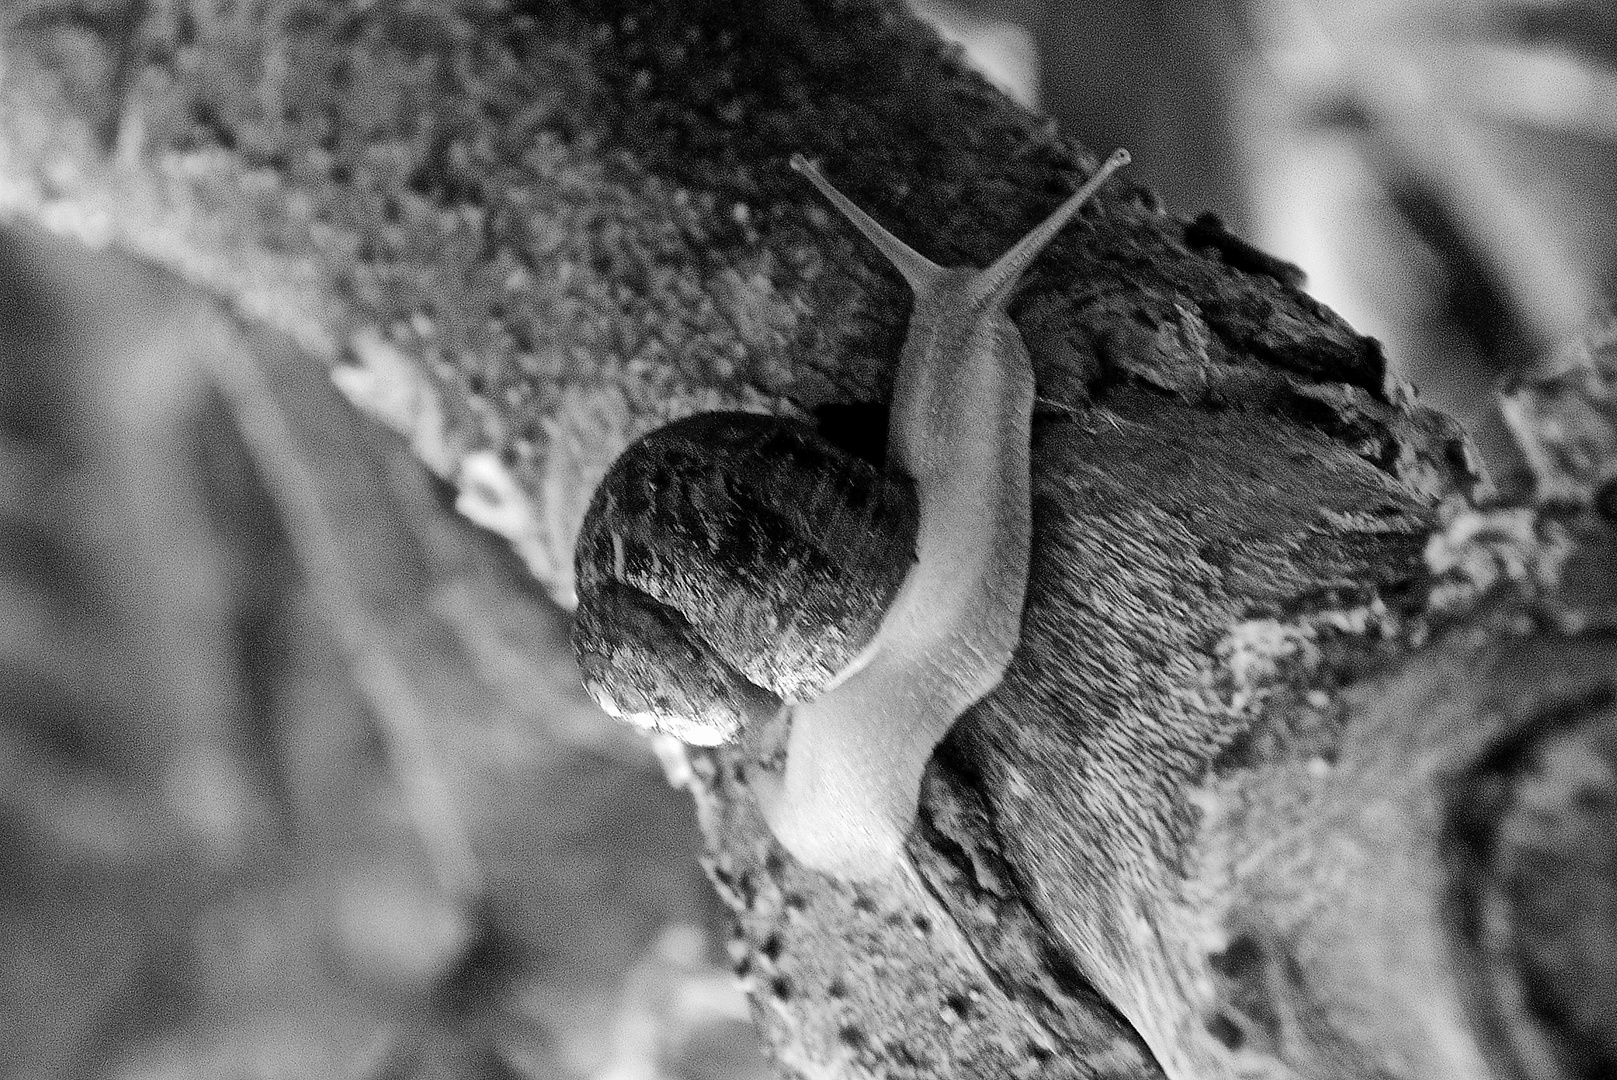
(729, 561)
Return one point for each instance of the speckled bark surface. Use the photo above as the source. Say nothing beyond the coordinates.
(577, 221)
(535, 231)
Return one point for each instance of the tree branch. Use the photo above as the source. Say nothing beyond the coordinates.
(1206, 827)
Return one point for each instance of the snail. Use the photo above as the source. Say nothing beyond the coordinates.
(737, 571)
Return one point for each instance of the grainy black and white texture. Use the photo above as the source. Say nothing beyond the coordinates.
(1219, 819)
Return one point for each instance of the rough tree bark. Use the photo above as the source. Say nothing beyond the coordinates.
(1267, 793)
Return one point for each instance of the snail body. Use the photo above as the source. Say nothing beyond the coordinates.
(947, 626)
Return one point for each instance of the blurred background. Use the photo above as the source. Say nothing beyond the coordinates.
(298, 779)
(1445, 171)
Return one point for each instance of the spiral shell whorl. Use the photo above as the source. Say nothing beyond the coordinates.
(728, 559)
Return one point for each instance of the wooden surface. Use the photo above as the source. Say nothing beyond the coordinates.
(1199, 829)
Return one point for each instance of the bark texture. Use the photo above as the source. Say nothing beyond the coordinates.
(1266, 792)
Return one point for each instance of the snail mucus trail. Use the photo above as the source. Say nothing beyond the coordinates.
(737, 570)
